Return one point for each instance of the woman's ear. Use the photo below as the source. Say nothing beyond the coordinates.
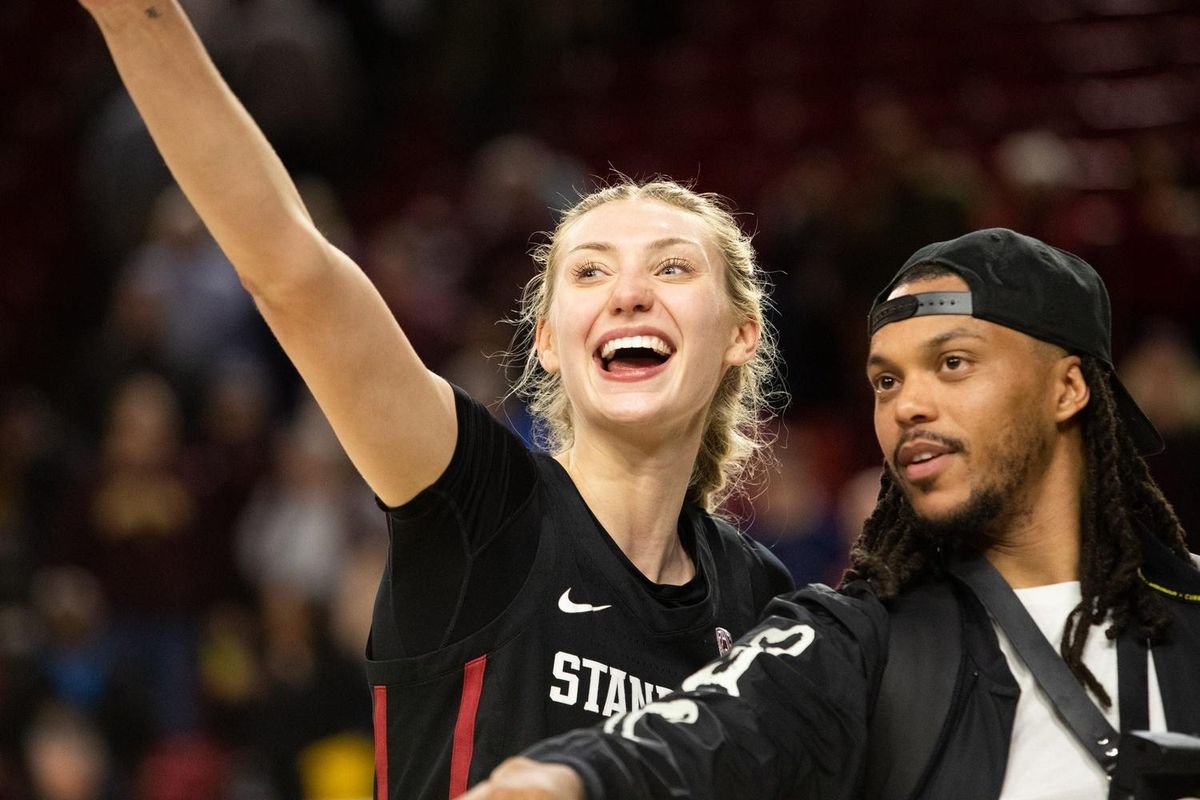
(744, 343)
(543, 341)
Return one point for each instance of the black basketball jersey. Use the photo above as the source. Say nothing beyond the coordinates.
(532, 622)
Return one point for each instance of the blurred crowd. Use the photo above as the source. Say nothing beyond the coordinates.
(188, 562)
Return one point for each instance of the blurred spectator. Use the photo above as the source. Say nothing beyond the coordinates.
(794, 515)
(230, 458)
(304, 513)
(121, 175)
(206, 315)
(184, 768)
(79, 658)
(232, 567)
(82, 665)
(515, 187)
(515, 184)
(804, 232)
(131, 339)
(311, 689)
(418, 261)
(21, 690)
(911, 190)
(352, 602)
(1163, 375)
(338, 767)
(292, 64)
(67, 758)
(134, 518)
(229, 655)
(856, 501)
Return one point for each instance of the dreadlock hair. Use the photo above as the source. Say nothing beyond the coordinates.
(1120, 498)
(890, 552)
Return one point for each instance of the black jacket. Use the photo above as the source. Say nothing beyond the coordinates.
(792, 711)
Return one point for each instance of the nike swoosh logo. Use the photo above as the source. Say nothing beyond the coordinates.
(565, 605)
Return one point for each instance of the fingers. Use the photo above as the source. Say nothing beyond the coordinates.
(524, 779)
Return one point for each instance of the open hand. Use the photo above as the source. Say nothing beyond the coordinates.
(525, 779)
(148, 7)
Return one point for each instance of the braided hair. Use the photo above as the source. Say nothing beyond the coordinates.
(1119, 499)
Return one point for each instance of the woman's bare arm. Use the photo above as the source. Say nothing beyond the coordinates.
(395, 418)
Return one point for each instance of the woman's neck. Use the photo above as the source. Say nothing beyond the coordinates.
(637, 494)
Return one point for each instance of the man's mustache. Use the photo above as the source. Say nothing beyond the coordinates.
(951, 444)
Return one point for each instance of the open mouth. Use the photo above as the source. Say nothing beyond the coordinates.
(924, 456)
(633, 353)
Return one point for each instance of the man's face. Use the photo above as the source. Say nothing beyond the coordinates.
(965, 413)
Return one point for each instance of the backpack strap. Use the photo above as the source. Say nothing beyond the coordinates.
(912, 707)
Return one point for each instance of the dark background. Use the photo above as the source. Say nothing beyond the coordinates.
(186, 561)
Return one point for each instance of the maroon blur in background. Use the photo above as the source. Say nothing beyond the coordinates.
(187, 562)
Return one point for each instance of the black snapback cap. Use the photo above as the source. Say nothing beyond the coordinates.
(1027, 285)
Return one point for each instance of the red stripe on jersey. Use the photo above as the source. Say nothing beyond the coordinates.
(381, 743)
(464, 728)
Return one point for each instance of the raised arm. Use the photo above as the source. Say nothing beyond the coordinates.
(395, 418)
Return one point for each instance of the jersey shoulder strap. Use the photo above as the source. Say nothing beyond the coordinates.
(925, 656)
(731, 563)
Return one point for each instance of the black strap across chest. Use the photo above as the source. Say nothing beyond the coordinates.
(1070, 700)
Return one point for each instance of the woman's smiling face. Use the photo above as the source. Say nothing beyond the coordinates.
(639, 323)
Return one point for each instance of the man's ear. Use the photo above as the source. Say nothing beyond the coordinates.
(543, 341)
(1071, 390)
(744, 343)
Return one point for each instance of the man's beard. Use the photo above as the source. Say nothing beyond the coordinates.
(967, 522)
(991, 508)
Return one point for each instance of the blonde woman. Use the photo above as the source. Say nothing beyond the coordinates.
(524, 595)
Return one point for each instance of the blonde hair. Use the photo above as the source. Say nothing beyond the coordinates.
(734, 431)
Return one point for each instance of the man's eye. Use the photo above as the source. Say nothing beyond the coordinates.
(953, 362)
(885, 383)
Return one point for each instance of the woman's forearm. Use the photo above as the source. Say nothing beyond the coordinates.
(213, 148)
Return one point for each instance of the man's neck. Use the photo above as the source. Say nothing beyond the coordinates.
(1038, 543)
(1036, 557)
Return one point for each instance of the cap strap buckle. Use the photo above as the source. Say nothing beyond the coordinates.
(920, 305)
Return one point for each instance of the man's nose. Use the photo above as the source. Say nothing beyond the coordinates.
(916, 402)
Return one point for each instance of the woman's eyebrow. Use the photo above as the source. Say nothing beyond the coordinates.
(657, 244)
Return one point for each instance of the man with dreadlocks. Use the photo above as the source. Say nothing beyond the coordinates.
(1020, 597)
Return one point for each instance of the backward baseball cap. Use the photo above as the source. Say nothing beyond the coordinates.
(1027, 285)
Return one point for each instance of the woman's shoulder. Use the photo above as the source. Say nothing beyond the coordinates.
(765, 567)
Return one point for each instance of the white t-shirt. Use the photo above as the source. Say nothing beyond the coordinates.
(1045, 762)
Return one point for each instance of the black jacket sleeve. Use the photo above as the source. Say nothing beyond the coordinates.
(783, 714)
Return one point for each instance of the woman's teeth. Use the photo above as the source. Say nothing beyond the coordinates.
(634, 342)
